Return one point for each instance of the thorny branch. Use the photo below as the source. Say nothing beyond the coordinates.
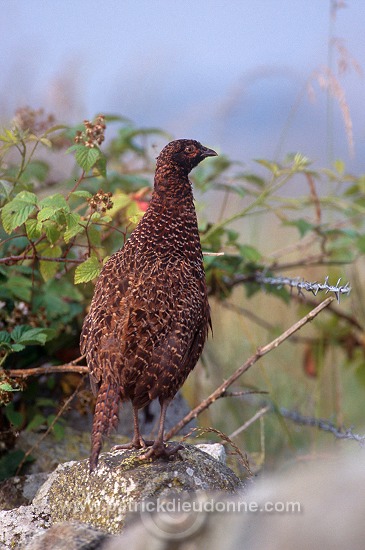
(301, 285)
(321, 424)
(247, 365)
(298, 418)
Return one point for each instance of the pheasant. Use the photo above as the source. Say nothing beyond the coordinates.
(149, 316)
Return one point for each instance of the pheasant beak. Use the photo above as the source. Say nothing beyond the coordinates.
(208, 152)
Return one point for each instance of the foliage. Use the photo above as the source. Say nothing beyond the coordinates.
(56, 232)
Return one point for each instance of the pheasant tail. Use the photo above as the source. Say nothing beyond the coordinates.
(105, 418)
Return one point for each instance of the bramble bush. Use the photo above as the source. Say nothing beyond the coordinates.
(56, 231)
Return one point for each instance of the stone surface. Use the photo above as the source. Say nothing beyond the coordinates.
(18, 526)
(97, 504)
(68, 536)
(20, 490)
(314, 504)
(121, 480)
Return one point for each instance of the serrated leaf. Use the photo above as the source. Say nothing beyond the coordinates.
(57, 202)
(45, 213)
(99, 168)
(87, 271)
(52, 231)
(94, 235)
(33, 229)
(86, 157)
(4, 337)
(17, 211)
(73, 226)
(20, 287)
(23, 334)
(17, 347)
(48, 268)
(50, 205)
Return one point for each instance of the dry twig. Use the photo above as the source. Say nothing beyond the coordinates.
(247, 365)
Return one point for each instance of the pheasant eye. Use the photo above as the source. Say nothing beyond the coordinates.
(189, 149)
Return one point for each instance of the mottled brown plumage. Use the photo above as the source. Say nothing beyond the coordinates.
(149, 316)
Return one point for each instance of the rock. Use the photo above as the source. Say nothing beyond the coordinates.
(73, 505)
(121, 481)
(68, 536)
(318, 505)
(19, 490)
(18, 526)
(216, 450)
(49, 452)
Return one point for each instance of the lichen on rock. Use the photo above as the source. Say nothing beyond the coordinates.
(122, 480)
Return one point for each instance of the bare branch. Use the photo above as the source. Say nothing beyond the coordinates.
(49, 369)
(9, 260)
(247, 365)
(253, 419)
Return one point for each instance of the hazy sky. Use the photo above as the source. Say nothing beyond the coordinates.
(230, 73)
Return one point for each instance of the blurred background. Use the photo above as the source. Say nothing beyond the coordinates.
(254, 79)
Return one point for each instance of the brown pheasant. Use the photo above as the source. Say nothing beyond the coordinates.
(149, 317)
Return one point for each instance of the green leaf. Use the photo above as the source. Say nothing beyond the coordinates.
(5, 188)
(9, 463)
(48, 268)
(52, 231)
(17, 347)
(74, 227)
(50, 205)
(4, 337)
(56, 201)
(33, 229)
(20, 287)
(249, 253)
(5, 386)
(87, 271)
(37, 421)
(94, 235)
(23, 334)
(58, 431)
(82, 194)
(302, 225)
(15, 417)
(17, 211)
(272, 166)
(86, 157)
(100, 166)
